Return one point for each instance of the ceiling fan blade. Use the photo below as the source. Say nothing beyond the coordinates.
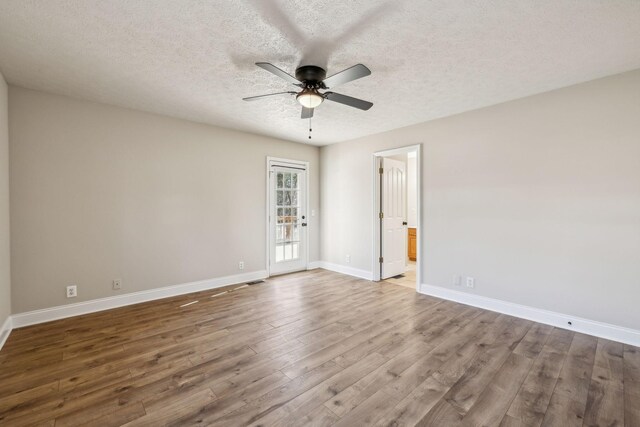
(253, 98)
(278, 72)
(348, 75)
(307, 113)
(348, 100)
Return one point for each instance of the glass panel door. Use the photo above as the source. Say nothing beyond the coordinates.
(287, 219)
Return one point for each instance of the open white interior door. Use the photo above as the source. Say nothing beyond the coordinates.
(393, 236)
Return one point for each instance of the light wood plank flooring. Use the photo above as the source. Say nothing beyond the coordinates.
(313, 348)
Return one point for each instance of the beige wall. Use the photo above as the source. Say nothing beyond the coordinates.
(5, 272)
(101, 192)
(538, 199)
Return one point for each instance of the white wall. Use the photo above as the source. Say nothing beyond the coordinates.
(5, 271)
(412, 191)
(538, 199)
(101, 192)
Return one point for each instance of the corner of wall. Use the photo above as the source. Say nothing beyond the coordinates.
(5, 260)
(5, 330)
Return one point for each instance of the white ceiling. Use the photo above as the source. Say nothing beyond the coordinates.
(194, 59)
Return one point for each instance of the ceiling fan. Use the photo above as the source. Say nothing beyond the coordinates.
(312, 80)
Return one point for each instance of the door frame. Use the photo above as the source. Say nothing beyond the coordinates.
(375, 209)
(270, 161)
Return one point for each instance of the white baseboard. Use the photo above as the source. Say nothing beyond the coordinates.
(350, 271)
(5, 330)
(314, 264)
(586, 326)
(70, 310)
(565, 321)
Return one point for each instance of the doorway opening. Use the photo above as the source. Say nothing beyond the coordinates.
(397, 216)
(287, 198)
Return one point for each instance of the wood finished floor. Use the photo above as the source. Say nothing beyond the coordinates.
(313, 348)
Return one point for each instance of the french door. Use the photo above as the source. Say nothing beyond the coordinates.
(287, 218)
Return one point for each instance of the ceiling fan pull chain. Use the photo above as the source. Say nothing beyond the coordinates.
(309, 127)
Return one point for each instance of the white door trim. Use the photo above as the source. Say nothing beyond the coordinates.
(278, 161)
(375, 209)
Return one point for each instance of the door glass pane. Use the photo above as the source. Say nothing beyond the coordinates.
(287, 232)
(294, 253)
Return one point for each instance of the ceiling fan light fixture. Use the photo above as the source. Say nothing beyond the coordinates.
(309, 98)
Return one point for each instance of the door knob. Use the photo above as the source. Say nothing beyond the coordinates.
(404, 222)
(304, 224)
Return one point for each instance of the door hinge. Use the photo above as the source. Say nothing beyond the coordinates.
(381, 171)
(380, 260)
(381, 215)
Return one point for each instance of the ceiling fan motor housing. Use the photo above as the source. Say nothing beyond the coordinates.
(311, 75)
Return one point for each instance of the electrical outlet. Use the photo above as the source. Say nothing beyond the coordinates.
(457, 280)
(72, 291)
(241, 265)
(117, 284)
(471, 283)
(348, 259)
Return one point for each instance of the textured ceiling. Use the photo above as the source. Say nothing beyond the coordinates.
(194, 59)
